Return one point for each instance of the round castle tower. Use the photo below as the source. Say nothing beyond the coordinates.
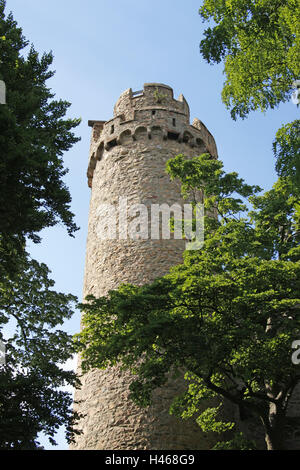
(127, 159)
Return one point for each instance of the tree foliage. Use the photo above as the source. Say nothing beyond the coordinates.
(31, 397)
(34, 134)
(228, 314)
(258, 41)
(287, 152)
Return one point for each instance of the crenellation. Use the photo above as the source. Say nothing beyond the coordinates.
(140, 110)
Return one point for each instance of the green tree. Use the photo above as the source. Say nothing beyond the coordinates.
(227, 315)
(31, 398)
(259, 43)
(34, 134)
(287, 152)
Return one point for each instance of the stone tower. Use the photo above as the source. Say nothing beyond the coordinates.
(127, 158)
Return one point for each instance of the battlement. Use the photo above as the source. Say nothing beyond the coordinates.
(153, 96)
(151, 113)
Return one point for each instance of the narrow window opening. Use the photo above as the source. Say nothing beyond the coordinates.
(153, 112)
(112, 129)
(174, 122)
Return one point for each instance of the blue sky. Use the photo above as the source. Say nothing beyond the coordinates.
(100, 49)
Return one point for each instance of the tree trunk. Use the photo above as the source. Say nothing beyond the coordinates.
(274, 428)
(274, 439)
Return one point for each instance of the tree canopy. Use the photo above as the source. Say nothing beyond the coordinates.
(259, 43)
(34, 134)
(228, 314)
(31, 396)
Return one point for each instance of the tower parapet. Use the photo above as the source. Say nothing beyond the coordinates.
(143, 114)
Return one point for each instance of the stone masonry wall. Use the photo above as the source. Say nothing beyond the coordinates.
(127, 158)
